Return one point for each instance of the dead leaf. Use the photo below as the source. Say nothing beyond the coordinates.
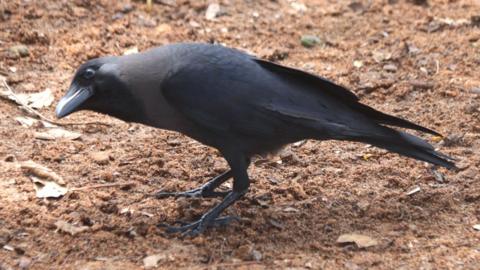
(5, 93)
(476, 227)
(26, 121)
(37, 100)
(47, 189)
(30, 167)
(152, 260)
(362, 241)
(69, 228)
(57, 133)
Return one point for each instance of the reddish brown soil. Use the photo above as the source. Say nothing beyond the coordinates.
(296, 209)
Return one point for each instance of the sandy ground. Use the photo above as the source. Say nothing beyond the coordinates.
(419, 62)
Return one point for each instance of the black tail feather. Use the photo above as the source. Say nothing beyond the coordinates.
(382, 118)
(411, 146)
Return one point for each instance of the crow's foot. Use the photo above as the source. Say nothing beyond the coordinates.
(205, 191)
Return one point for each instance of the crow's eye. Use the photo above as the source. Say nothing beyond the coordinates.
(88, 74)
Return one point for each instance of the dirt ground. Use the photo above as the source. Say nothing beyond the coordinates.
(417, 61)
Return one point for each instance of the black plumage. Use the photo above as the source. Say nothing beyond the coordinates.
(236, 103)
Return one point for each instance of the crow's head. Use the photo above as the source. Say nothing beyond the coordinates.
(98, 86)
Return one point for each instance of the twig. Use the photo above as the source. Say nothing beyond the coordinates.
(13, 97)
(103, 186)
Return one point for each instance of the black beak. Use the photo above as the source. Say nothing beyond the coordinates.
(74, 98)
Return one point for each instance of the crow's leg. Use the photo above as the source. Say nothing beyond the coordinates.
(204, 191)
(241, 183)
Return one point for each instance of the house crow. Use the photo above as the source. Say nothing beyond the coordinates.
(236, 103)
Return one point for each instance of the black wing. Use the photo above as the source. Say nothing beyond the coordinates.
(340, 93)
(219, 96)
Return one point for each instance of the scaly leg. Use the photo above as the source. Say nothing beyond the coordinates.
(204, 191)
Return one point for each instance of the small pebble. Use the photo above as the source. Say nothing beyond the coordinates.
(417, 84)
(212, 11)
(310, 41)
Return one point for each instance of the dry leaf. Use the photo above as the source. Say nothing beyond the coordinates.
(47, 189)
(57, 133)
(26, 121)
(476, 227)
(30, 167)
(46, 124)
(152, 260)
(37, 100)
(4, 93)
(69, 228)
(362, 241)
